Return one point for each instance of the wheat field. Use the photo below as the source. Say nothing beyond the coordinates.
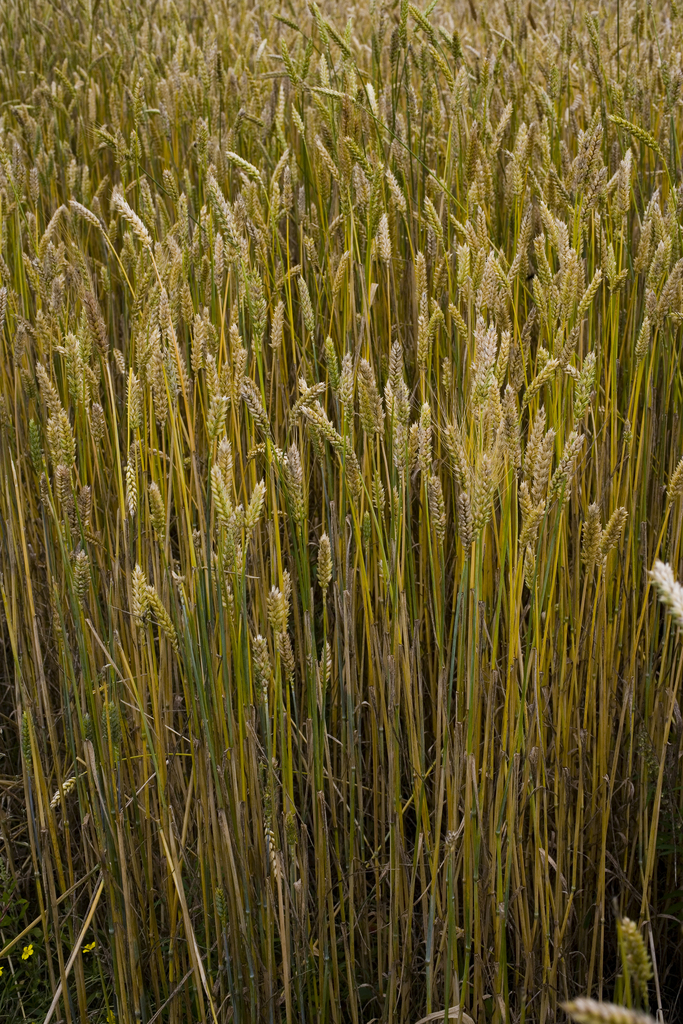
(341, 428)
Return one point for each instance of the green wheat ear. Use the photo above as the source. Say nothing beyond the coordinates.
(642, 135)
(636, 961)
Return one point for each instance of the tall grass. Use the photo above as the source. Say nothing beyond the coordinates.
(341, 421)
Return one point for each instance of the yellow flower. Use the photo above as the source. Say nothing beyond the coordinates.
(28, 951)
(1, 970)
(89, 948)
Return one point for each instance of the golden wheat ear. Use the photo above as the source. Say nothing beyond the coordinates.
(590, 1011)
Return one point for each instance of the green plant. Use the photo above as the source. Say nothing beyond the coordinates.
(340, 426)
